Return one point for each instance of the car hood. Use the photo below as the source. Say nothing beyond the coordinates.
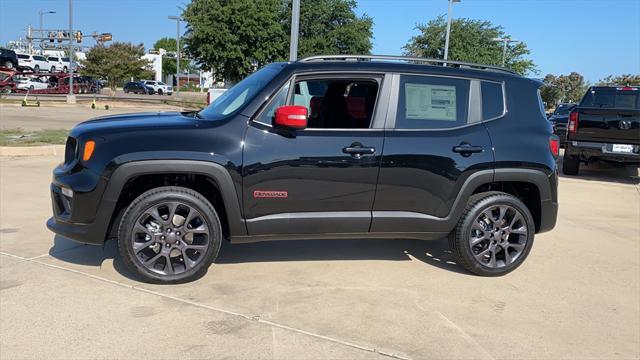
(137, 122)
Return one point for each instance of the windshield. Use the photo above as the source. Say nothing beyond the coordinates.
(563, 109)
(239, 95)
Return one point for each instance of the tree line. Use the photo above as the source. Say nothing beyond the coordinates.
(234, 37)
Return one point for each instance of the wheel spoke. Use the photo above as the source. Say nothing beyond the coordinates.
(516, 246)
(489, 215)
(492, 259)
(507, 256)
(481, 254)
(197, 247)
(137, 246)
(152, 261)
(520, 231)
(477, 240)
(515, 219)
(503, 211)
(188, 263)
(168, 267)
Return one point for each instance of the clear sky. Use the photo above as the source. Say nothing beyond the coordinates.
(593, 37)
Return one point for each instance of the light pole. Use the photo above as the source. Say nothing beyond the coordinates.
(295, 28)
(505, 41)
(41, 13)
(177, 19)
(71, 98)
(446, 40)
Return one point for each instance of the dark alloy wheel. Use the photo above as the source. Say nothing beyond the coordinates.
(169, 235)
(494, 235)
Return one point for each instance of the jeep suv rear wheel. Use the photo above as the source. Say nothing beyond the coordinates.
(169, 235)
(494, 234)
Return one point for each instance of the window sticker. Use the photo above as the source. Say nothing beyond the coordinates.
(430, 102)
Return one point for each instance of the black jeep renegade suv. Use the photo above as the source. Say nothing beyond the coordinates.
(322, 148)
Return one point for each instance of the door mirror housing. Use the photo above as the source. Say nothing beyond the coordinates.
(292, 117)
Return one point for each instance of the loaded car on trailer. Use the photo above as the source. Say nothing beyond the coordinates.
(322, 148)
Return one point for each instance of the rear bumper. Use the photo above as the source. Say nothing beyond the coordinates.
(587, 151)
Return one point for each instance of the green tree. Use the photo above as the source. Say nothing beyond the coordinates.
(233, 37)
(471, 41)
(625, 80)
(329, 27)
(168, 63)
(564, 88)
(117, 63)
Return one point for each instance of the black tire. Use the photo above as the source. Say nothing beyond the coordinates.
(64, 69)
(31, 88)
(53, 69)
(36, 68)
(160, 91)
(158, 196)
(570, 165)
(8, 65)
(460, 237)
(6, 90)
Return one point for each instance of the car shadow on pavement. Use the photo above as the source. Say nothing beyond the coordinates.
(434, 252)
(89, 255)
(601, 171)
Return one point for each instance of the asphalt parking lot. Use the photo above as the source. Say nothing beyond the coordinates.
(576, 296)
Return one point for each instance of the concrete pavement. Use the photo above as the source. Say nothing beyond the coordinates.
(576, 296)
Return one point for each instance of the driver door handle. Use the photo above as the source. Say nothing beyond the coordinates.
(358, 150)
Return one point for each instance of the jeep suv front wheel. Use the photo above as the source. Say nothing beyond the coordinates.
(494, 235)
(169, 235)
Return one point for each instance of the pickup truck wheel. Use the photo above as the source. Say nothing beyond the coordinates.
(494, 234)
(169, 235)
(570, 165)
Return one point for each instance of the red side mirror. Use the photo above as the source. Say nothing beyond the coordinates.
(294, 117)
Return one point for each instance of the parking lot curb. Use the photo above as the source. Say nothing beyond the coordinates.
(46, 150)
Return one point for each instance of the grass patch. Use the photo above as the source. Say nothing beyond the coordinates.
(19, 137)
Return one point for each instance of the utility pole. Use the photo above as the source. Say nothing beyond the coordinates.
(448, 35)
(295, 28)
(505, 41)
(177, 19)
(71, 99)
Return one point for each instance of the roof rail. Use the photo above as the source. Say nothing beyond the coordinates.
(461, 64)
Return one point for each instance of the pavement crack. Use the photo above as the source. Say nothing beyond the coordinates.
(252, 318)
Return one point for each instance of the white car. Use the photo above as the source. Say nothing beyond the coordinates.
(159, 87)
(57, 64)
(24, 83)
(33, 62)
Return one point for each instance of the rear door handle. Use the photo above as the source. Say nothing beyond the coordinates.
(467, 149)
(358, 150)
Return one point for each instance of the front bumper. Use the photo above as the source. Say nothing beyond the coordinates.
(587, 151)
(81, 216)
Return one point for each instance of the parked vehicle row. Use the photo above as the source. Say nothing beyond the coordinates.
(149, 87)
(12, 80)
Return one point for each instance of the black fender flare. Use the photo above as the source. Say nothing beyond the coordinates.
(216, 172)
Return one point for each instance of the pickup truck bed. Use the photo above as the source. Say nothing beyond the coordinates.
(605, 126)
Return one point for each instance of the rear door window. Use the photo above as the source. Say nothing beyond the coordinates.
(432, 102)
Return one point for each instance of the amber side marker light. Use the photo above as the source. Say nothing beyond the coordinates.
(89, 146)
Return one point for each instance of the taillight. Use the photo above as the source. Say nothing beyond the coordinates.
(554, 145)
(572, 126)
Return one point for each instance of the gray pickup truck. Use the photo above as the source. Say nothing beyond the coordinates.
(605, 126)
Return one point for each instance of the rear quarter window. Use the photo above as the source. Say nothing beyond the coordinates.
(492, 100)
